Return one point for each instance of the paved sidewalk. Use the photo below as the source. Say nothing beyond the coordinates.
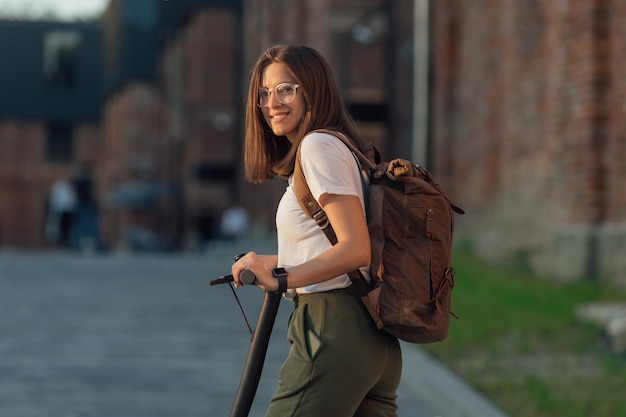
(133, 336)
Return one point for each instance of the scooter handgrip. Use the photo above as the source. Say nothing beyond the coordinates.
(247, 277)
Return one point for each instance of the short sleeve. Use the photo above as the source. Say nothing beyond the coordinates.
(329, 166)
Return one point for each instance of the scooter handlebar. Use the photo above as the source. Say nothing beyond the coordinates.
(246, 276)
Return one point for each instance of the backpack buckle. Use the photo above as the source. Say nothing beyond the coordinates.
(321, 219)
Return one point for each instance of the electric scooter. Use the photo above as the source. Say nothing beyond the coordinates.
(260, 338)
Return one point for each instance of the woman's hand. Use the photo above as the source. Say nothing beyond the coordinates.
(261, 266)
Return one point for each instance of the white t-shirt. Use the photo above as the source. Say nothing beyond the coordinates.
(329, 167)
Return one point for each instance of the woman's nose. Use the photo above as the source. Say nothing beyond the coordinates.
(272, 100)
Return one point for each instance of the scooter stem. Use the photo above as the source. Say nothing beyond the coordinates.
(256, 356)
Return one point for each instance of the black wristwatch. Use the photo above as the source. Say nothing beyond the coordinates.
(281, 275)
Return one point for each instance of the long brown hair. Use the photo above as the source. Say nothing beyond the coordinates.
(267, 155)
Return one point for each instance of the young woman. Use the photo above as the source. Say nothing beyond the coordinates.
(339, 364)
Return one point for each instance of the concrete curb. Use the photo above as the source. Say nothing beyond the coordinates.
(441, 389)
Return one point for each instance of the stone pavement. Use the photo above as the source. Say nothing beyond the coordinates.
(120, 335)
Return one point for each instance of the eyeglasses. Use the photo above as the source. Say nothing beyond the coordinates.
(285, 93)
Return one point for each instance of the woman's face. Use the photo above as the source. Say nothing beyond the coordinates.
(284, 119)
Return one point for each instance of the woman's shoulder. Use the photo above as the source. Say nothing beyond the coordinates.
(321, 140)
(324, 149)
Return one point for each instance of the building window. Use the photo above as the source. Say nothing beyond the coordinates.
(60, 58)
(60, 145)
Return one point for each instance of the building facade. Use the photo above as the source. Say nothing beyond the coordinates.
(49, 118)
(171, 128)
(528, 110)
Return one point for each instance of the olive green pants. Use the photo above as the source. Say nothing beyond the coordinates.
(339, 364)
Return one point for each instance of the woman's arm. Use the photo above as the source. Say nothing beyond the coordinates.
(352, 250)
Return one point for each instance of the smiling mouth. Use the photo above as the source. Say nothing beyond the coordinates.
(279, 116)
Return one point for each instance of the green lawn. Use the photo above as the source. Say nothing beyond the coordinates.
(518, 343)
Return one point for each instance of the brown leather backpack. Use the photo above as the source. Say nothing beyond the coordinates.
(411, 224)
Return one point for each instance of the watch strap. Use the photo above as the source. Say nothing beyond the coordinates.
(281, 275)
(282, 283)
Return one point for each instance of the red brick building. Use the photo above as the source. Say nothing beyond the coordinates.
(149, 95)
(49, 118)
(176, 127)
(528, 108)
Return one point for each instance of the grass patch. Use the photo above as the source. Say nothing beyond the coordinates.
(518, 343)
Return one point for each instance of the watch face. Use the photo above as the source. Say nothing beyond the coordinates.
(279, 272)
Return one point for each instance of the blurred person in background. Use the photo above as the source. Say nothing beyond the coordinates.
(86, 234)
(235, 223)
(61, 211)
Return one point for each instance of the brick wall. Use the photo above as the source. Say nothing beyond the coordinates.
(616, 113)
(134, 149)
(527, 130)
(22, 213)
(211, 63)
(166, 132)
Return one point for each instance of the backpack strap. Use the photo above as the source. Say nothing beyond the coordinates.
(311, 207)
(305, 198)
(308, 203)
